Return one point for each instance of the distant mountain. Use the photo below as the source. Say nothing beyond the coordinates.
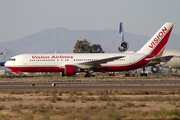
(62, 40)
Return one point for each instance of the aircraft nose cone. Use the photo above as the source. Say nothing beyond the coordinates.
(7, 64)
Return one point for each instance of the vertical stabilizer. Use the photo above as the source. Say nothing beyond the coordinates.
(121, 31)
(157, 43)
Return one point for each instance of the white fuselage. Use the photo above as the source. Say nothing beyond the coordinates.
(56, 62)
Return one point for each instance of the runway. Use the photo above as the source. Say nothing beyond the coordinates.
(126, 84)
(90, 87)
(98, 82)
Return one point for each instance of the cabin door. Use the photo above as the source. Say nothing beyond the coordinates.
(131, 59)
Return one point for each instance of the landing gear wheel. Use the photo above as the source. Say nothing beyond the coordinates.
(63, 74)
(127, 74)
(143, 74)
(111, 73)
(87, 74)
(155, 69)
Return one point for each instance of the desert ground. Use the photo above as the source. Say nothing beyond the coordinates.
(91, 104)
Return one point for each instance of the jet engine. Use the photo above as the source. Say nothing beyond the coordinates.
(123, 45)
(154, 69)
(71, 70)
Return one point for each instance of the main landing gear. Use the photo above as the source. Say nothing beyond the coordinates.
(143, 74)
(87, 74)
(155, 69)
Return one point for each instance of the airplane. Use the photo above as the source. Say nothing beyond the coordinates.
(174, 63)
(71, 63)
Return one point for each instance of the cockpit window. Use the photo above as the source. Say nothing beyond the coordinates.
(12, 59)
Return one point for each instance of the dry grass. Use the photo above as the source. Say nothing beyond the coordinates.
(79, 77)
(104, 104)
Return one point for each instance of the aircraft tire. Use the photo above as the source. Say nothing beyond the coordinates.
(143, 74)
(155, 69)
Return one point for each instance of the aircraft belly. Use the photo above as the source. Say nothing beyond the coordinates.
(38, 68)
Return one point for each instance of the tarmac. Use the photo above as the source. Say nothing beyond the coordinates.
(126, 84)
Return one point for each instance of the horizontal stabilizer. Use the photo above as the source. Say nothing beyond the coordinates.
(160, 59)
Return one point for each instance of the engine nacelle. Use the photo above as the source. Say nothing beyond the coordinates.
(154, 69)
(123, 46)
(71, 70)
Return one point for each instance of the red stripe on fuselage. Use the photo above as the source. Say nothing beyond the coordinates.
(37, 69)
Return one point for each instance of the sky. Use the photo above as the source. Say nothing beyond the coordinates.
(20, 18)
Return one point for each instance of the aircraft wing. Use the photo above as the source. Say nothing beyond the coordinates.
(97, 63)
(2, 63)
(160, 59)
